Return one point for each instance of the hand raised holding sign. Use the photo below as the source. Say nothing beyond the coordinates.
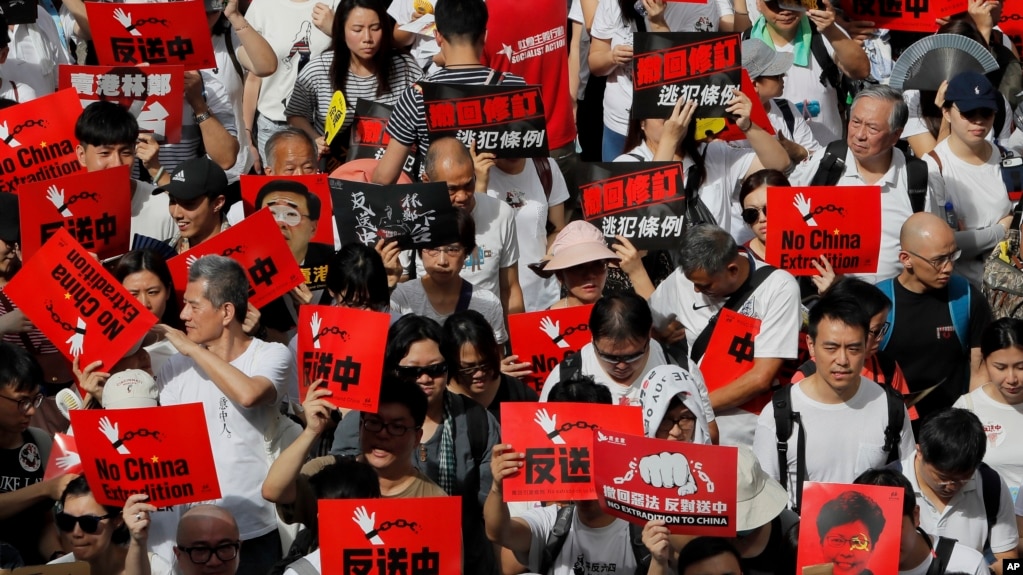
(675, 128)
(91, 379)
(504, 462)
(136, 517)
(742, 107)
(317, 409)
(822, 19)
(482, 162)
(655, 538)
(826, 275)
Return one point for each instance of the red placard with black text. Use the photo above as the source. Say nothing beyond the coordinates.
(315, 183)
(94, 207)
(64, 457)
(423, 535)
(546, 338)
(690, 486)
(849, 528)
(345, 347)
(162, 451)
(268, 262)
(700, 66)
(558, 444)
(840, 223)
(77, 304)
(730, 354)
(37, 140)
(161, 33)
(151, 93)
(906, 16)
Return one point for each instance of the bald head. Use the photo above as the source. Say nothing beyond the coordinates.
(448, 153)
(925, 229)
(210, 527)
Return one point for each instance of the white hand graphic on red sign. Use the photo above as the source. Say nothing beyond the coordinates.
(803, 205)
(367, 523)
(77, 339)
(56, 197)
(124, 19)
(553, 331)
(668, 470)
(549, 424)
(314, 323)
(112, 434)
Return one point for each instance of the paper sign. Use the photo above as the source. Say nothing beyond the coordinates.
(729, 354)
(415, 215)
(64, 457)
(370, 137)
(73, 568)
(345, 347)
(643, 201)
(163, 33)
(77, 304)
(1012, 23)
(840, 223)
(546, 338)
(557, 441)
(409, 536)
(162, 451)
(505, 120)
(38, 140)
(315, 183)
(335, 115)
(907, 16)
(94, 207)
(700, 66)
(688, 485)
(856, 527)
(268, 263)
(725, 129)
(151, 93)
(20, 11)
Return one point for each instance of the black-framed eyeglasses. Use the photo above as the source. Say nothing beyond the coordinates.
(616, 359)
(685, 423)
(374, 425)
(938, 263)
(201, 554)
(881, 331)
(468, 371)
(88, 523)
(859, 542)
(414, 372)
(26, 403)
(751, 214)
(450, 251)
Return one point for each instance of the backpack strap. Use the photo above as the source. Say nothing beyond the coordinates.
(571, 367)
(937, 159)
(942, 555)
(543, 171)
(991, 486)
(832, 165)
(234, 57)
(831, 75)
(784, 417)
(888, 288)
(302, 566)
(464, 296)
(735, 301)
(887, 367)
(786, 112)
(916, 177)
(959, 292)
(556, 538)
(896, 419)
(808, 368)
(637, 156)
(478, 428)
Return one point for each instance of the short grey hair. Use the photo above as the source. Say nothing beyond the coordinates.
(270, 151)
(900, 111)
(224, 281)
(707, 247)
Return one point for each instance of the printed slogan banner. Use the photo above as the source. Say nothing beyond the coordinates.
(315, 183)
(345, 347)
(38, 140)
(505, 120)
(151, 93)
(77, 304)
(729, 354)
(642, 201)
(94, 207)
(364, 535)
(163, 33)
(689, 486)
(558, 445)
(369, 134)
(271, 268)
(416, 215)
(725, 129)
(907, 15)
(700, 66)
(842, 224)
(161, 451)
(832, 537)
(64, 457)
(546, 338)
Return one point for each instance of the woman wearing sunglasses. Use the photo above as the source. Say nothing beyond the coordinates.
(111, 540)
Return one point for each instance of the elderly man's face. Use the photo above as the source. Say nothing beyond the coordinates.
(870, 134)
(203, 321)
(210, 537)
(291, 211)
(293, 156)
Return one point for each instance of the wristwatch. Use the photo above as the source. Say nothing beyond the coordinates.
(200, 118)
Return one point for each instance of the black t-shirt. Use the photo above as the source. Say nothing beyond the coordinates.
(778, 556)
(511, 390)
(19, 468)
(277, 314)
(924, 342)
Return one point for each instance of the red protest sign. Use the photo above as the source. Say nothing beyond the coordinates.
(345, 347)
(314, 183)
(271, 268)
(688, 485)
(161, 33)
(725, 129)
(94, 207)
(849, 528)
(730, 354)
(840, 223)
(1011, 22)
(908, 16)
(38, 140)
(77, 304)
(545, 338)
(151, 93)
(64, 457)
(161, 451)
(360, 535)
(557, 442)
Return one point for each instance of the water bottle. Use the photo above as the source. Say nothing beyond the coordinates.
(950, 216)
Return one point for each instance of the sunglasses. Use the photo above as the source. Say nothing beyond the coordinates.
(752, 214)
(414, 372)
(88, 523)
(617, 359)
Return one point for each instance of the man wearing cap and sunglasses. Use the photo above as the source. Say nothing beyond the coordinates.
(197, 191)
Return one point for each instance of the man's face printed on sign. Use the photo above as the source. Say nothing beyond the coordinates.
(291, 211)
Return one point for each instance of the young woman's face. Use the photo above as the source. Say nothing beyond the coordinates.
(87, 546)
(149, 290)
(1005, 370)
(585, 282)
(425, 353)
(363, 33)
(474, 374)
(757, 200)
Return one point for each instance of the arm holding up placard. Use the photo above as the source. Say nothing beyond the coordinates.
(770, 153)
(136, 516)
(502, 528)
(255, 54)
(849, 54)
(280, 485)
(658, 539)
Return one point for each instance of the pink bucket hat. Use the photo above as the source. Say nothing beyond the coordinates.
(577, 243)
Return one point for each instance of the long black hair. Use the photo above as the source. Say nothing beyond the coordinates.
(150, 261)
(343, 56)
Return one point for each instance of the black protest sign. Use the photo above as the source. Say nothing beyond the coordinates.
(416, 215)
(506, 120)
(19, 11)
(369, 134)
(701, 66)
(642, 201)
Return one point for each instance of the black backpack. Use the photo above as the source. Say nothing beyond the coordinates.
(559, 533)
(832, 167)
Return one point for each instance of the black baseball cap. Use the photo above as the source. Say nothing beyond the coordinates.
(196, 178)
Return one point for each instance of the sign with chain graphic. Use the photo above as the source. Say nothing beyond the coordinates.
(1011, 22)
(545, 338)
(557, 442)
(344, 347)
(161, 451)
(730, 354)
(164, 33)
(385, 536)
(691, 487)
(38, 140)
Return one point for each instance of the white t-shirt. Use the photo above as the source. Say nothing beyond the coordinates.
(861, 421)
(801, 132)
(594, 551)
(410, 297)
(233, 86)
(424, 48)
(775, 303)
(1003, 425)
(150, 215)
(962, 560)
(35, 52)
(979, 198)
(803, 84)
(236, 433)
(157, 565)
(525, 194)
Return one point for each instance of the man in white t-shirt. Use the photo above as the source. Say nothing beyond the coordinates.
(713, 269)
(835, 401)
(208, 542)
(240, 381)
